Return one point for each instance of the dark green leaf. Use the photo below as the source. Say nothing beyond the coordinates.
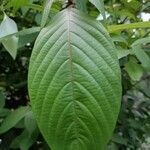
(2, 99)
(12, 119)
(74, 83)
(134, 70)
(24, 141)
(140, 53)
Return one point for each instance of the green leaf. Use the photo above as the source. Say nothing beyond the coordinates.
(112, 146)
(125, 13)
(134, 70)
(30, 122)
(2, 99)
(46, 11)
(81, 5)
(119, 39)
(11, 46)
(22, 137)
(119, 139)
(99, 4)
(21, 33)
(144, 86)
(8, 26)
(140, 53)
(16, 4)
(145, 6)
(29, 135)
(74, 83)
(34, 6)
(141, 41)
(12, 119)
(115, 28)
(25, 36)
(4, 112)
(122, 53)
(28, 38)
(25, 140)
(132, 5)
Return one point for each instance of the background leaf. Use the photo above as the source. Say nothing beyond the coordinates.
(30, 122)
(140, 53)
(99, 4)
(15, 4)
(82, 5)
(21, 33)
(48, 4)
(24, 141)
(134, 70)
(13, 119)
(8, 26)
(2, 99)
(114, 28)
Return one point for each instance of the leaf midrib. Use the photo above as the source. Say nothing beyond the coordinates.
(72, 80)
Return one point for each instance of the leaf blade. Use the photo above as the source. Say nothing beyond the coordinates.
(140, 53)
(99, 4)
(8, 26)
(17, 115)
(64, 73)
(114, 28)
(21, 33)
(46, 11)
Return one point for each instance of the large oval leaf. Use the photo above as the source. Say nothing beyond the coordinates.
(74, 83)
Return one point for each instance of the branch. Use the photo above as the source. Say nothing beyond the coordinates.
(70, 2)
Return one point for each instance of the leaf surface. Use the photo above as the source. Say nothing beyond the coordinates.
(140, 53)
(12, 119)
(17, 4)
(134, 70)
(46, 11)
(99, 4)
(81, 5)
(21, 33)
(8, 26)
(74, 83)
(116, 28)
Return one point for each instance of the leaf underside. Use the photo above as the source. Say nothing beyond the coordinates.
(74, 83)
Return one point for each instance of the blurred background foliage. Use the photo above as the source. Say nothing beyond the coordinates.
(128, 24)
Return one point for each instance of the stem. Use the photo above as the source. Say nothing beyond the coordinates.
(70, 2)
